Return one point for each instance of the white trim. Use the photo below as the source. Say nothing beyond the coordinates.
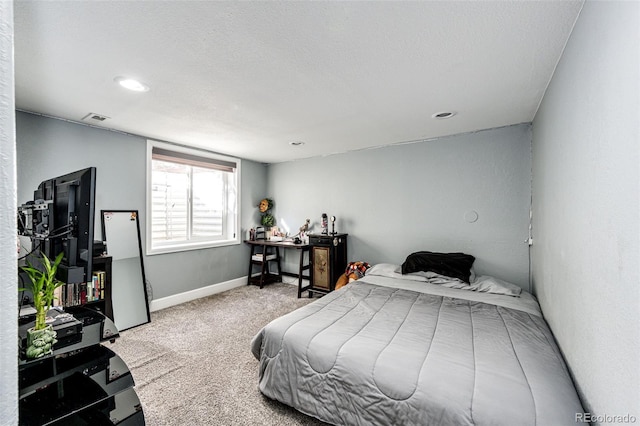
(191, 246)
(198, 293)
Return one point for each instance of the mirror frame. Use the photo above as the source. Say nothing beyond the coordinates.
(144, 276)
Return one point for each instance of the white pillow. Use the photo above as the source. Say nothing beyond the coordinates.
(390, 270)
(429, 274)
(482, 283)
(487, 284)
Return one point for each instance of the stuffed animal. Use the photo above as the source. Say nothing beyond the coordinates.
(354, 271)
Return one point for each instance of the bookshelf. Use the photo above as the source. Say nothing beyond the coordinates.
(102, 302)
(94, 294)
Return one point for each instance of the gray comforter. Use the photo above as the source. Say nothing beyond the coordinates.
(369, 354)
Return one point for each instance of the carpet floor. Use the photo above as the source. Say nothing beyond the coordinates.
(192, 363)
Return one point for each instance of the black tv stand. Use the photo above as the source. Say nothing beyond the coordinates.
(82, 383)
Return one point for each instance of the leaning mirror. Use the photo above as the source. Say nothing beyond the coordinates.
(121, 232)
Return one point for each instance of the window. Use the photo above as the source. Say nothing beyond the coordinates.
(192, 199)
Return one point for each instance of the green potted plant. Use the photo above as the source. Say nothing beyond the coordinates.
(41, 337)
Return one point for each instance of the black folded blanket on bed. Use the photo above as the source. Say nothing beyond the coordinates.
(456, 265)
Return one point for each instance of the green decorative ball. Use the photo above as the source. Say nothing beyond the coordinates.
(268, 220)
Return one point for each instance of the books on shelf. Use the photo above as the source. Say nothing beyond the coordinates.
(58, 297)
(261, 257)
(96, 286)
(80, 293)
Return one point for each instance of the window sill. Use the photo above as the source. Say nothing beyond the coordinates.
(190, 246)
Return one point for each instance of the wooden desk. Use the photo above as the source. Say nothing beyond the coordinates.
(266, 276)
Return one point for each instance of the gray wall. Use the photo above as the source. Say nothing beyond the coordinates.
(586, 211)
(404, 198)
(8, 254)
(48, 148)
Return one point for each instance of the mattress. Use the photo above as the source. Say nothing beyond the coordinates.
(385, 351)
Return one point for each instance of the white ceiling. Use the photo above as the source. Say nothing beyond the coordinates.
(248, 78)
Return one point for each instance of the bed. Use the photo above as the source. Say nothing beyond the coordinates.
(418, 348)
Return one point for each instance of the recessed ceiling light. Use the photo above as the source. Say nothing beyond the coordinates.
(444, 114)
(131, 84)
(296, 143)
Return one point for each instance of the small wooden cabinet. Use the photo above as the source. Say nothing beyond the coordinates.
(328, 259)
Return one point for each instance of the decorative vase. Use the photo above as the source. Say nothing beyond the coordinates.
(40, 342)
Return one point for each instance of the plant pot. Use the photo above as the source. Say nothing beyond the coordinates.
(40, 342)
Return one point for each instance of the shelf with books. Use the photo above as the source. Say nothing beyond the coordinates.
(99, 291)
(95, 287)
(94, 294)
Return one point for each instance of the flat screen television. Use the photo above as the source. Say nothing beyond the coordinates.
(64, 222)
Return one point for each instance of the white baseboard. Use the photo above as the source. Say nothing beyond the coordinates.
(188, 296)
